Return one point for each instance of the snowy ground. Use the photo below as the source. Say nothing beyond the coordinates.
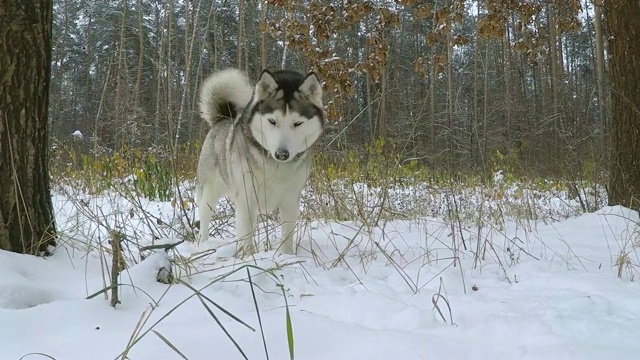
(546, 292)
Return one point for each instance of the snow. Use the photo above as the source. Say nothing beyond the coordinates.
(551, 291)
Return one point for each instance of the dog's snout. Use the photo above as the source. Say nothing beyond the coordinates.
(282, 154)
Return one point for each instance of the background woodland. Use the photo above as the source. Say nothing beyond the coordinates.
(454, 85)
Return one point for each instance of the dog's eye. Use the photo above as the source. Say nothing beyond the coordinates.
(272, 122)
(297, 124)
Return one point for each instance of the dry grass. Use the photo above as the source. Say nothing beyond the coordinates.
(363, 197)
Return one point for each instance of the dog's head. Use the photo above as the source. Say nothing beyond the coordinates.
(287, 115)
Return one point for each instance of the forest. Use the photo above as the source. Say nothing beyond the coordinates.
(474, 194)
(452, 84)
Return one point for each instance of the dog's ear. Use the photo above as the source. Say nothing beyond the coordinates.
(266, 86)
(312, 89)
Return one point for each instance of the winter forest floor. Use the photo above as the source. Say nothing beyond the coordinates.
(481, 282)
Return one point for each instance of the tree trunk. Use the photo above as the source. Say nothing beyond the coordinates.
(26, 212)
(121, 85)
(475, 150)
(263, 36)
(600, 68)
(624, 31)
(452, 141)
(485, 105)
(141, 51)
(506, 52)
(240, 32)
(553, 53)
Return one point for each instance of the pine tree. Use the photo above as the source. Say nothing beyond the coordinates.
(624, 31)
(26, 211)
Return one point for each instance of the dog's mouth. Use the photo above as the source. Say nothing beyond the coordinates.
(281, 160)
(291, 158)
(282, 155)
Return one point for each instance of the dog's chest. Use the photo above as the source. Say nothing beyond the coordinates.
(270, 185)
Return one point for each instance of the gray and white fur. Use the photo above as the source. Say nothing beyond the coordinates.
(257, 151)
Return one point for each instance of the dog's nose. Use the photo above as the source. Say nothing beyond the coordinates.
(282, 154)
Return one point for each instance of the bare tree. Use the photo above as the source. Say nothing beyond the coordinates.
(26, 211)
(600, 65)
(406, 72)
(624, 29)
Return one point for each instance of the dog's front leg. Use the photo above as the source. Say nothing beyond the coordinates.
(245, 227)
(289, 209)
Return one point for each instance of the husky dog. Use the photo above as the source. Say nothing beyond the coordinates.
(257, 151)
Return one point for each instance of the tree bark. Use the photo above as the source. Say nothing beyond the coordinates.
(597, 4)
(452, 141)
(240, 32)
(26, 211)
(553, 53)
(263, 36)
(624, 48)
(506, 52)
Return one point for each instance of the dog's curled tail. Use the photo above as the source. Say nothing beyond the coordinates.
(224, 94)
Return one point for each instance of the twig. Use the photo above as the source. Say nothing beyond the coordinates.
(166, 247)
(117, 265)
